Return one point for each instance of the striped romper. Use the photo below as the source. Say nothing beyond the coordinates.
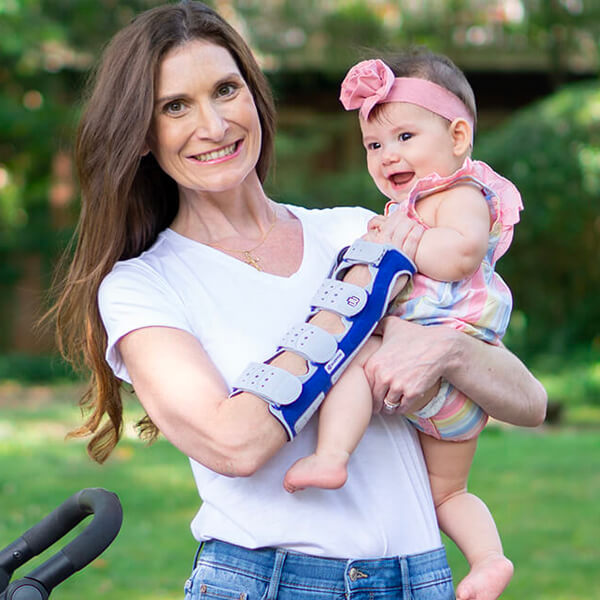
(479, 305)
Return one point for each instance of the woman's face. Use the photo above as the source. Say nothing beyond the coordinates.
(205, 130)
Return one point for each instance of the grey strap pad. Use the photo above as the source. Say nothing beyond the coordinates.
(343, 298)
(272, 384)
(365, 253)
(310, 342)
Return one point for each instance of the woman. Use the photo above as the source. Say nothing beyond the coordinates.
(185, 271)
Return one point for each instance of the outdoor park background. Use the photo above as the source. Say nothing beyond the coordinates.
(534, 67)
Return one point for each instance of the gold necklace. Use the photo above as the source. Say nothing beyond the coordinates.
(247, 256)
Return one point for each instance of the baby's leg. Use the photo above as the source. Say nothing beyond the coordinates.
(465, 518)
(343, 419)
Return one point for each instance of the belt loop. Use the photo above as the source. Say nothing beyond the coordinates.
(273, 588)
(405, 578)
(197, 555)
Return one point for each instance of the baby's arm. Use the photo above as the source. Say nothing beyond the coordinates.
(456, 243)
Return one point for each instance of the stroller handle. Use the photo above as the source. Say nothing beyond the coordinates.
(90, 543)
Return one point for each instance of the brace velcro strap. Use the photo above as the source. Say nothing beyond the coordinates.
(310, 342)
(272, 384)
(364, 252)
(343, 298)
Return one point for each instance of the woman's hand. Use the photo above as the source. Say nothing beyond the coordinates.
(408, 364)
(412, 358)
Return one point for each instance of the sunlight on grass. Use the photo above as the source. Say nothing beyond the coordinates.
(154, 548)
(541, 485)
(542, 488)
(39, 469)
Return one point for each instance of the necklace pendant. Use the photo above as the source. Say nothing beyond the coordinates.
(251, 260)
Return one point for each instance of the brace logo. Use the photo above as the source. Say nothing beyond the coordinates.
(352, 301)
(335, 361)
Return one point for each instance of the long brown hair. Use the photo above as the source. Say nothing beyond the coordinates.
(126, 198)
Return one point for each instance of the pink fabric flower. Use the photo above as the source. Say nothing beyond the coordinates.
(365, 85)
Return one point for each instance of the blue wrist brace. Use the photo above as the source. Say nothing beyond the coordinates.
(294, 399)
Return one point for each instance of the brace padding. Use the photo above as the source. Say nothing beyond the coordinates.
(269, 382)
(310, 342)
(343, 298)
(364, 252)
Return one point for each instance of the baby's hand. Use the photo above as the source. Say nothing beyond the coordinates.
(375, 230)
(397, 229)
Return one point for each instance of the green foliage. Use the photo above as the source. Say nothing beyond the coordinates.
(571, 378)
(34, 369)
(551, 151)
(48, 46)
(46, 50)
(313, 156)
(352, 27)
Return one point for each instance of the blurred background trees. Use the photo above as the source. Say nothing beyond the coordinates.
(533, 65)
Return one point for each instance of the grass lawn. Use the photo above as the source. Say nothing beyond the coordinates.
(542, 486)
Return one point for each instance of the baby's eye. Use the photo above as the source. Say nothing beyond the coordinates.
(373, 146)
(403, 137)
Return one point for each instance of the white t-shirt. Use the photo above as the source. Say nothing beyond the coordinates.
(239, 314)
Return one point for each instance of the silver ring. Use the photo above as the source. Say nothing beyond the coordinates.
(390, 408)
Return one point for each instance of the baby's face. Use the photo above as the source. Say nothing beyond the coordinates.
(405, 142)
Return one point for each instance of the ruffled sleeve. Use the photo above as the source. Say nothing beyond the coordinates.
(504, 199)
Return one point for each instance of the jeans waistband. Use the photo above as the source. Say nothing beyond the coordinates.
(427, 568)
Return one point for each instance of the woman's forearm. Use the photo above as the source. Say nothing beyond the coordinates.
(413, 358)
(496, 380)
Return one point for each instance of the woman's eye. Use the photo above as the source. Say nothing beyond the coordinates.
(405, 136)
(174, 108)
(226, 89)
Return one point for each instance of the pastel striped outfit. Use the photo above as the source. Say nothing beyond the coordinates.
(479, 305)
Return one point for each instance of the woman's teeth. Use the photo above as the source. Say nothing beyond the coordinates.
(217, 153)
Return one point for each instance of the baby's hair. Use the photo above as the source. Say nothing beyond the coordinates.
(422, 63)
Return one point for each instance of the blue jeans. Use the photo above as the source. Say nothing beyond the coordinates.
(227, 572)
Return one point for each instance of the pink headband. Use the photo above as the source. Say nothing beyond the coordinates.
(372, 82)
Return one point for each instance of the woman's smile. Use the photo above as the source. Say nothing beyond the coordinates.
(220, 154)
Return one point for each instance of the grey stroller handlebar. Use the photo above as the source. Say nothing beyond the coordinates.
(89, 544)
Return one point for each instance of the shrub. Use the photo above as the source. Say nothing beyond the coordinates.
(551, 151)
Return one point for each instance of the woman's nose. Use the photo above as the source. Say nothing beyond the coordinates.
(211, 123)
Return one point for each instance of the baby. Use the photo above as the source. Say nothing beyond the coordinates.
(417, 117)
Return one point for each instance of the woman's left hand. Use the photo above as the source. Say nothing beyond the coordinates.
(409, 362)
(412, 358)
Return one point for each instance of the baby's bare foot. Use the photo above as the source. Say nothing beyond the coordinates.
(486, 579)
(326, 471)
